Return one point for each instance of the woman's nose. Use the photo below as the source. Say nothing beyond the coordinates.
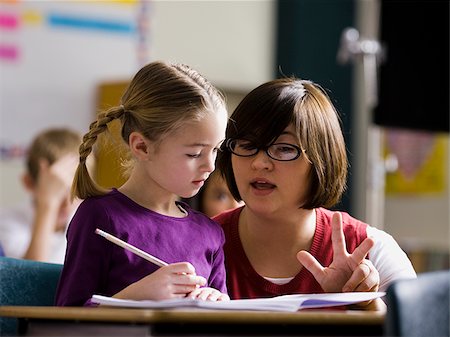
(262, 161)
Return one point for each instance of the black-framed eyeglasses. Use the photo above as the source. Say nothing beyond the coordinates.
(276, 151)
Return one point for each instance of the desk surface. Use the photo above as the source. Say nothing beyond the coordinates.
(227, 320)
(193, 315)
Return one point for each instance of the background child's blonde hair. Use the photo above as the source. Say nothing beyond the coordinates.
(51, 145)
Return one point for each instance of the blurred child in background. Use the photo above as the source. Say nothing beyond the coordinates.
(215, 197)
(36, 230)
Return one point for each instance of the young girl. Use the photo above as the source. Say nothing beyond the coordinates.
(173, 121)
(285, 157)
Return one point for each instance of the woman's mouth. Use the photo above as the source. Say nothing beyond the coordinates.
(262, 185)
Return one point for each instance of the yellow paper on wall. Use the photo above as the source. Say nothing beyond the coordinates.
(422, 162)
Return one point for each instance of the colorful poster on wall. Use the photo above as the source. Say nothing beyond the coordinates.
(421, 159)
(53, 55)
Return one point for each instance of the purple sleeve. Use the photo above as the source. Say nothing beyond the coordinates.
(87, 255)
(218, 274)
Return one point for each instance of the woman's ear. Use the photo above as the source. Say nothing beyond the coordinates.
(139, 145)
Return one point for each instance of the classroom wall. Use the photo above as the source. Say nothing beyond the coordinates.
(231, 42)
(60, 52)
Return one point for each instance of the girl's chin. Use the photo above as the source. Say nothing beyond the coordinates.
(190, 194)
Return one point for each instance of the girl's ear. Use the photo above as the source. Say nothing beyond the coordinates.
(139, 145)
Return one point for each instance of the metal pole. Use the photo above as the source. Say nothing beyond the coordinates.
(361, 47)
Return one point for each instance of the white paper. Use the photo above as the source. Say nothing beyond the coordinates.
(290, 303)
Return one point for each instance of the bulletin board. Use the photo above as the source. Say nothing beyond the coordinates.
(53, 55)
(111, 149)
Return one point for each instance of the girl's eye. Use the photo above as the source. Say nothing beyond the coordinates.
(197, 155)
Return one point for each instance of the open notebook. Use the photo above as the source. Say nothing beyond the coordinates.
(280, 303)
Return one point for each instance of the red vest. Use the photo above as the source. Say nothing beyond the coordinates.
(244, 282)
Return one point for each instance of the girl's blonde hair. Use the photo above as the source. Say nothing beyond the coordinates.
(159, 99)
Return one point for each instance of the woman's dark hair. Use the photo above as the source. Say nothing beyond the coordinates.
(267, 110)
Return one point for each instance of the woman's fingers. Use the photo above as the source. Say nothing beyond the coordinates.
(311, 264)
(337, 236)
(360, 253)
(365, 277)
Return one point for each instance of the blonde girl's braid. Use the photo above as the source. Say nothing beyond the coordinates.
(83, 185)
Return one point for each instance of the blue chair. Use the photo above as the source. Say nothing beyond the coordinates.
(419, 307)
(25, 282)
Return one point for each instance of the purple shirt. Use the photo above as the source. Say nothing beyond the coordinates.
(93, 265)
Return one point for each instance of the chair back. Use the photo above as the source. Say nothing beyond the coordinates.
(26, 282)
(419, 307)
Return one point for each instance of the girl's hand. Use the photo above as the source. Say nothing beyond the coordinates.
(208, 294)
(176, 280)
(347, 272)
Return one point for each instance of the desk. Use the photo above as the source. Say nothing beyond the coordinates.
(108, 321)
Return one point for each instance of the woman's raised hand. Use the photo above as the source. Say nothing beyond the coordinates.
(347, 272)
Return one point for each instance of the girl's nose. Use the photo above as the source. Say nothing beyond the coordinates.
(210, 162)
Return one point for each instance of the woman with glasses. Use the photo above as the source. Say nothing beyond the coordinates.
(285, 157)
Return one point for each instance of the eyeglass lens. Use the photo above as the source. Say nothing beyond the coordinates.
(277, 151)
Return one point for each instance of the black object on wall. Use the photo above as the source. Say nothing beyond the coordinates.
(414, 79)
(308, 37)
